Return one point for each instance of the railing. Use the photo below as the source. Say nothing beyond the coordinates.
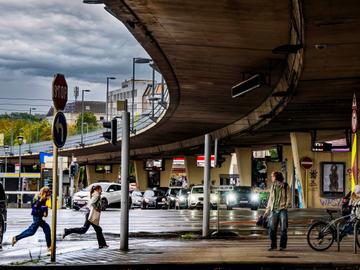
(93, 137)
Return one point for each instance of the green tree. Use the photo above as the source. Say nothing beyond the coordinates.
(90, 122)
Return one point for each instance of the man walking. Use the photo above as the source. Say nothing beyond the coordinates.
(279, 202)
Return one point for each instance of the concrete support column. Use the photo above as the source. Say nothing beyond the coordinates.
(141, 175)
(93, 176)
(244, 158)
(301, 147)
(195, 175)
(166, 174)
(287, 154)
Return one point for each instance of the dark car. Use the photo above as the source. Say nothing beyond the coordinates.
(154, 198)
(171, 195)
(3, 213)
(242, 196)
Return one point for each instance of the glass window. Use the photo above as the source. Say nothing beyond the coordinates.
(197, 190)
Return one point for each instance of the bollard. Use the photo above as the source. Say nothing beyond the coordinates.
(338, 235)
(355, 235)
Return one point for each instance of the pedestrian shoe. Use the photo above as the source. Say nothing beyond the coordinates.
(63, 235)
(48, 251)
(105, 246)
(282, 249)
(13, 241)
(271, 248)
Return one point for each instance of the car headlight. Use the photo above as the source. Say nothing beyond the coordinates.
(172, 198)
(146, 200)
(214, 197)
(231, 197)
(255, 197)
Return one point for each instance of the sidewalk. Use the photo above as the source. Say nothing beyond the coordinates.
(201, 254)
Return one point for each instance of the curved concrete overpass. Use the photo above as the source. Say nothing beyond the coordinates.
(203, 48)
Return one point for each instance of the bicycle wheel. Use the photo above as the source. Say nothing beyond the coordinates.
(320, 237)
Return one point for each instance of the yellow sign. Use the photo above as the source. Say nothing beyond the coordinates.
(353, 162)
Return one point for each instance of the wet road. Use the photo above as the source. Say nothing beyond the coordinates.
(148, 221)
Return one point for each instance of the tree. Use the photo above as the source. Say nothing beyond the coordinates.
(89, 120)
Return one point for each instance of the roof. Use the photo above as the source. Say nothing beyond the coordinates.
(76, 107)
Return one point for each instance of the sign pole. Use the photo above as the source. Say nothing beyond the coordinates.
(354, 125)
(59, 133)
(53, 201)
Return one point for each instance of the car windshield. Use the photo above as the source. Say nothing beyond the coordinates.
(174, 191)
(197, 190)
(149, 193)
(245, 190)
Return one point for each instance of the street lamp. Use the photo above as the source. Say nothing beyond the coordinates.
(107, 96)
(137, 60)
(20, 139)
(6, 150)
(82, 116)
(30, 130)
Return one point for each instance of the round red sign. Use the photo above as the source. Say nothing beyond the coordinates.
(306, 163)
(59, 92)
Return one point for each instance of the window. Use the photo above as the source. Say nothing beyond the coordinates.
(114, 187)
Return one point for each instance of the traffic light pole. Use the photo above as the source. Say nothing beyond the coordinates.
(125, 152)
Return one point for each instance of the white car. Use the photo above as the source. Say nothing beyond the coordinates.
(196, 197)
(111, 193)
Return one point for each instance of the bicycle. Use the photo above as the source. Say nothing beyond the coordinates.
(321, 234)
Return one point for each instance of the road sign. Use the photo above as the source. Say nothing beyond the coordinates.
(306, 163)
(59, 92)
(59, 129)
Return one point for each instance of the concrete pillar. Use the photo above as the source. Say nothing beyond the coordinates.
(141, 175)
(166, 174)
(301, 147)
(195, 175)
(244, 159)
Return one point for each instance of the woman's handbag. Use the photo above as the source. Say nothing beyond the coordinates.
(262, 221)
(94, 216)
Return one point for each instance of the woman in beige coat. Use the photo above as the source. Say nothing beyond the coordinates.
(92, 217)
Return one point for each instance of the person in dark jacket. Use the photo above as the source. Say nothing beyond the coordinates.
(38, 211)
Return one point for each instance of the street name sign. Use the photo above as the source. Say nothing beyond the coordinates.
(59, 129)
(59, 92)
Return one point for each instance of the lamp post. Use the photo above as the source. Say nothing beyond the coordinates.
(82, 116)
(107, 96)
(136, 60)
(20, 139)
(30, 130)
(6, 150)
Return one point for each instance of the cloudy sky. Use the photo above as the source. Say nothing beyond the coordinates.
(40, 38)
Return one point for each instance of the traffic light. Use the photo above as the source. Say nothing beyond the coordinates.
(110, 136)
(73, 170)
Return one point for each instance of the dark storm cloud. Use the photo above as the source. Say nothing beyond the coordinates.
(40, 38)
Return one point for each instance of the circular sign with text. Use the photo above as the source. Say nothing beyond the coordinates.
(354, 121)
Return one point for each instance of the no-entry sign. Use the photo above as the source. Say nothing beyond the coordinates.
(59, 92)
(306, 163)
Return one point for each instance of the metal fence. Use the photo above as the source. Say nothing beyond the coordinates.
(94, 137)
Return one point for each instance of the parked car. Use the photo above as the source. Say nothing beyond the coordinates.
(3, 213)
(136, 198)
(196, 197)
(242, 196)
(171, 195)
(111, 194)
(181, 200)
(154, 198)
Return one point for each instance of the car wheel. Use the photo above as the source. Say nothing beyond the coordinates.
(228, 207)
(254, 208)
(104, 204)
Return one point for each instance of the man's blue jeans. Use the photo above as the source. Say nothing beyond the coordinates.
(37, 222)
(276, 217)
